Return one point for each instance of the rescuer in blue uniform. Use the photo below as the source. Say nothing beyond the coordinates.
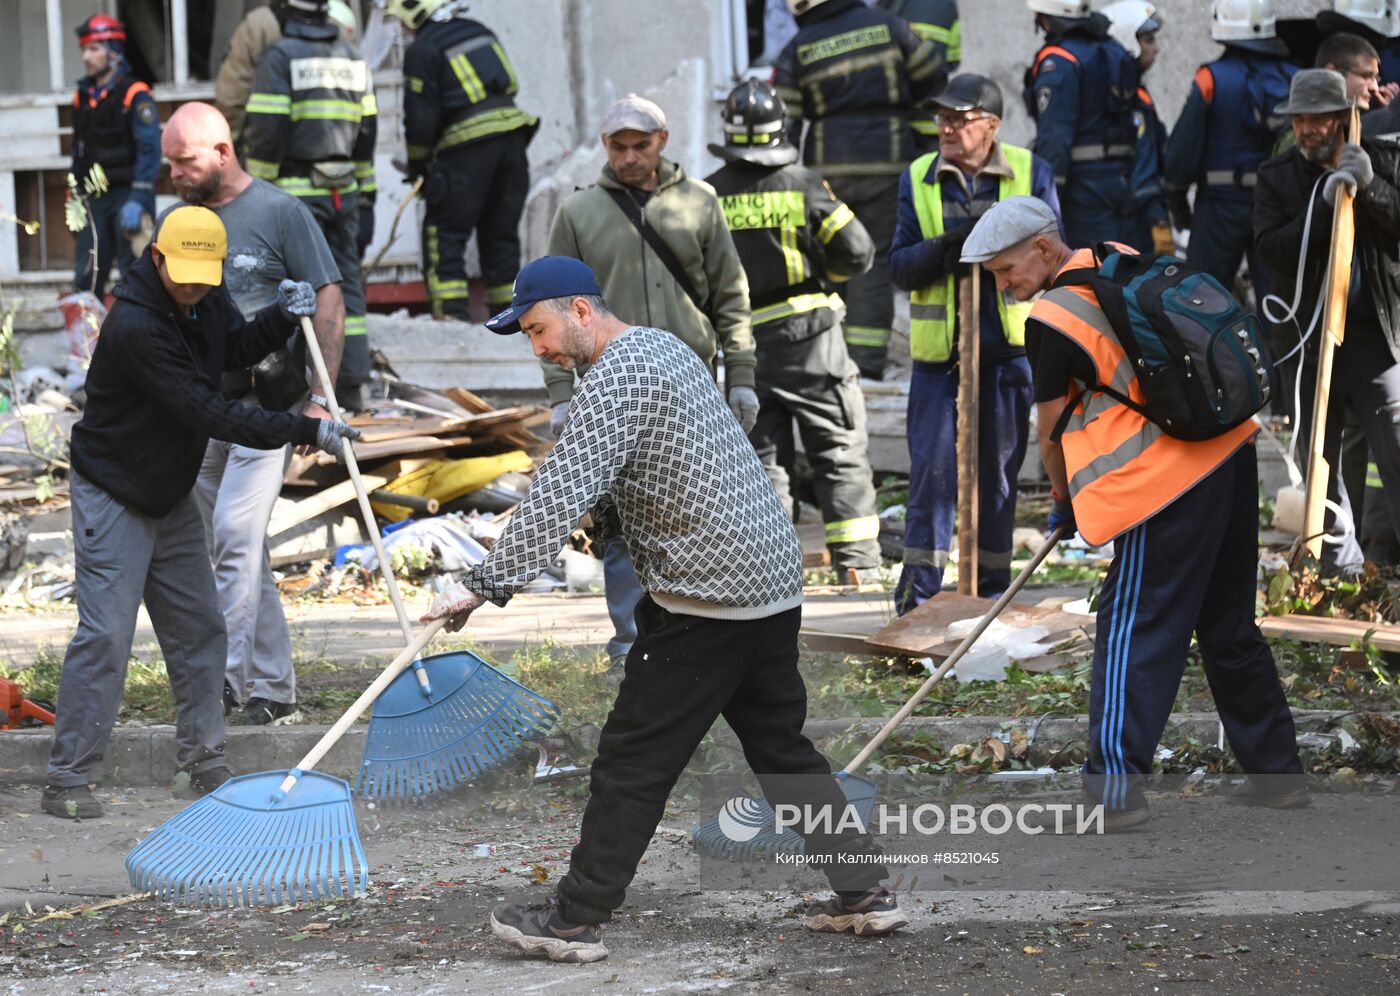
(1082, 91)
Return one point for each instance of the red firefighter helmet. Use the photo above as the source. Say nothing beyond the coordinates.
(100, 28)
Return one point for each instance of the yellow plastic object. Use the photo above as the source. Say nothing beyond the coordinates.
(449, 479)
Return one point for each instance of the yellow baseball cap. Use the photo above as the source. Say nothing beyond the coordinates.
(194, 244)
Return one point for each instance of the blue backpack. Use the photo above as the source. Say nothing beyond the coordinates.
(1200, 357)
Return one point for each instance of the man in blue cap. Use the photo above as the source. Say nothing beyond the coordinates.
(652, 451)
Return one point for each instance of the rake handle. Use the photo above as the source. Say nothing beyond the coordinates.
(396, 667)
(361, 495)
(898, 718)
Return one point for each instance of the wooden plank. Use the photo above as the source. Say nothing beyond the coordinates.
(1338, 632)
(323, 501)
(966, 448)
(1339, 261)
(924, 631)
(471, 402)
(822, 642)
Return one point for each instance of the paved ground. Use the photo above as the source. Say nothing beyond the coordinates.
(420, 929)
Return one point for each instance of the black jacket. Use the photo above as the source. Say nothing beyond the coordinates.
(153, 398)
(1281, 210)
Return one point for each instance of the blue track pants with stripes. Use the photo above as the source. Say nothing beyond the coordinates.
(1189, 568)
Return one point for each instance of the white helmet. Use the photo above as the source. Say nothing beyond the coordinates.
(1129, 18)
(1378, 15)
(1243, 20)
(1061, 8)
(802, 6)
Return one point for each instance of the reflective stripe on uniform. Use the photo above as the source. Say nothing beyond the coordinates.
(269, 103)
(496, 122)
(866, 335)
(925, 558)
(798, 304)
(1228, 178)
(1098, 153)
(263, 169)
(355, 325)
(328, 110)
(867, 527)
(843, 44)
(993, 558)
(1373, 476)
(500, 294)
(834, 222)
(467, 76)
(301, 186)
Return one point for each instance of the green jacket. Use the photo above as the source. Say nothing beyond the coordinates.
(636, 285)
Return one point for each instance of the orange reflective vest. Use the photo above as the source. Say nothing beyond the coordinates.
(1123, 469)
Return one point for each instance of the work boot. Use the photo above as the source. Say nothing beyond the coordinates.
(204, 782)
(1253, 793)
(265, 712)
(871, 914)
(70, 802)
(539, 929)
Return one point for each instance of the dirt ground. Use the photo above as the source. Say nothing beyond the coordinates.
(420, 928)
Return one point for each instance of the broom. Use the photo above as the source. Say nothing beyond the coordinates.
(745, 813)
(460, 717)
(268, 838)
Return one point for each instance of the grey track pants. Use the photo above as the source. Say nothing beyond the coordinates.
(236, 489)
(122, 558)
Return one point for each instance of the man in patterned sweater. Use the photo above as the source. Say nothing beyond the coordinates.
(652, 450)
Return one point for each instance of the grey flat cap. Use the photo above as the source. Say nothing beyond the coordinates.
(1316, 91)
(633, 113)
(1008, 223)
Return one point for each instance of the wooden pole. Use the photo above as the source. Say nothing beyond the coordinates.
(969, 362)
(1334, 319)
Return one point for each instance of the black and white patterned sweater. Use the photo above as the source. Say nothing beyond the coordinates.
(651, 441)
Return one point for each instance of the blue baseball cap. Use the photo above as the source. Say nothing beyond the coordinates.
(541, 280)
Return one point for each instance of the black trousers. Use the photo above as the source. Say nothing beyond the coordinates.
(870, 296)
(477, 187)
(683, 673)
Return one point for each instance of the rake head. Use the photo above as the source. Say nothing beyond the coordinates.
(474, 719)
(745, 829)
(235, 847)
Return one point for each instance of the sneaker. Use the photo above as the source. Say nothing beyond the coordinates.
(539, 929)
(872, 914)
(206, 781)
(70, 802)
(230, 700)
(617, 670)
(265, 712)
(1251, 793)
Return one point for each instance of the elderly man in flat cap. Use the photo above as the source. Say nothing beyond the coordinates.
(1294, 200)
(662, 251)
(1183, 516)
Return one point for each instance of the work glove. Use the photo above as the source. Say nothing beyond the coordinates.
(296, 298)
(331, 436)
(130, 217)
(1062, 514)
(1353, 169)
(558, 415)
(1179, 206)
(743, 402)
(455, 602)
(952, 245)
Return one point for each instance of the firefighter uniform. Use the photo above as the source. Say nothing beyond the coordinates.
(311, 131)
(934, 21)
(1226, 129)
(936, 198)
(115, 126)
(792, 234)
(1149, 210)
(467, 137)
(1183, 516)
(854, 74)
(1081, 90)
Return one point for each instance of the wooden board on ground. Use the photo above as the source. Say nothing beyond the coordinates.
(322, 501)
(923, 632)
(1338, 632)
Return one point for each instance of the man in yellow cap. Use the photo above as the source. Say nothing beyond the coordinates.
(153, 402)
